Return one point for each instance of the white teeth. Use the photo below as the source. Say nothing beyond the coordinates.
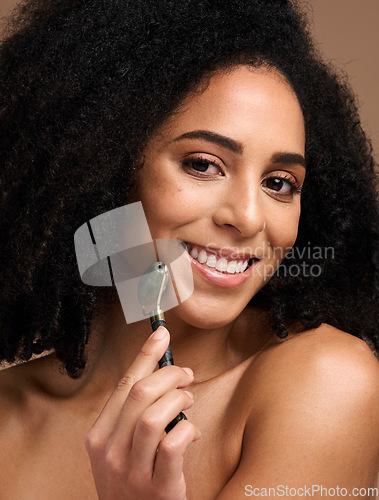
(211, 261)
(239, 266)
(194, 253)
(221, 264)
(231, 267)
(202, 258)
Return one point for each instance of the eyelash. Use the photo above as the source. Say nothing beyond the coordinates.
(189, 162)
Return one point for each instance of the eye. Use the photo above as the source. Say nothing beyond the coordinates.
(282, 185)
(202, 167)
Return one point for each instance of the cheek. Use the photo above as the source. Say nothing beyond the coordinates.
(168, 202)
(282, 228)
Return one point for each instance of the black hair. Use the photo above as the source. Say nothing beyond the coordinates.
(83, 86)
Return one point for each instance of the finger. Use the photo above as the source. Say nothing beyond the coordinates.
(149, 355)
(150, 427)
(168, 467)
(143, 365)
(143, 395)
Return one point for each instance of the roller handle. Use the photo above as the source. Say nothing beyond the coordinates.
(166, 360)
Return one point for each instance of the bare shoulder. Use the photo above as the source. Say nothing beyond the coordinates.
(17, 403)
(313, 415)
(11, 389)
(14, 400)
(13, 415)
(326, 357)
(319, 390)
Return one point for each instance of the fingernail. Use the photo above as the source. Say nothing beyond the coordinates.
(189, 371)
(189, 394)
(159, 333)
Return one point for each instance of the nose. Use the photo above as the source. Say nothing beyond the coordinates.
(240, 206)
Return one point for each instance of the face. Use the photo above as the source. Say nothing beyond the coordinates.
(223, 175)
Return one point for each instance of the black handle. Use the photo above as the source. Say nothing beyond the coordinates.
(167, 360)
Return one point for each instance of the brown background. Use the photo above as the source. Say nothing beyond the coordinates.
(347, 34)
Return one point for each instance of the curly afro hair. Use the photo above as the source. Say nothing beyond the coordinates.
(85, 83)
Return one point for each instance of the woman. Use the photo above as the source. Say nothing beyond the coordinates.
(221, 119)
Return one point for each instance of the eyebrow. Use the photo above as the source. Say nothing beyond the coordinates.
(289, 158)
(221, 140)
(236, 147)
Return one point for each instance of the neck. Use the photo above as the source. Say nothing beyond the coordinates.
(209, 352)
(113, 346)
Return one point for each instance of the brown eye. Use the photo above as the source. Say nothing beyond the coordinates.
(284, 187)
(202, 166)
(276, 184)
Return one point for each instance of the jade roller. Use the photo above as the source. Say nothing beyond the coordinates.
(150, 290)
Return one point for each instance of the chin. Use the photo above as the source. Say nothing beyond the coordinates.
(200, 315)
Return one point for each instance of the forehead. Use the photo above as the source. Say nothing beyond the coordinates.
(240, 102)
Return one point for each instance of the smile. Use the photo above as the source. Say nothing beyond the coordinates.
(224, 264)
(217, 269)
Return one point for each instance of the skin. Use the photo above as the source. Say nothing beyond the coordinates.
(263, 412)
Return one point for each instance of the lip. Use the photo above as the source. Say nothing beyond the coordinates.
(217, 278)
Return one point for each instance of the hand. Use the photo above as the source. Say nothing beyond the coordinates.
(131, 455)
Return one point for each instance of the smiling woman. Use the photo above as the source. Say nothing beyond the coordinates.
(223, 122)
(217, 177)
